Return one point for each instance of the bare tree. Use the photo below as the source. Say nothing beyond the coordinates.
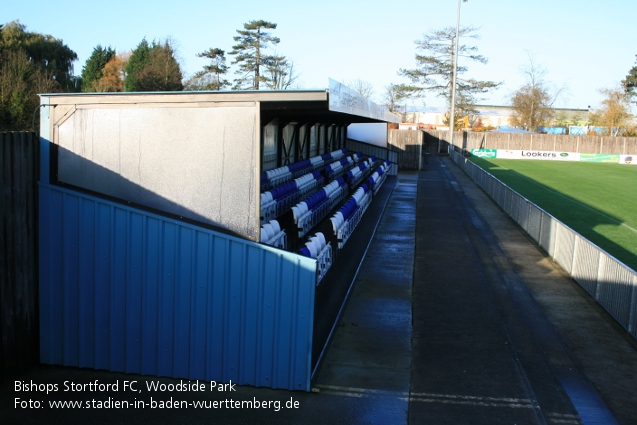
(532, 104)
(280, 73)
(392, 96)
(365, 88)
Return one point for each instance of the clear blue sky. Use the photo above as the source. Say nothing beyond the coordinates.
(585, 45)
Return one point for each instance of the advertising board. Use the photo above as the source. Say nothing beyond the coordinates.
(533, 154)
(599, 157)
(484, 153)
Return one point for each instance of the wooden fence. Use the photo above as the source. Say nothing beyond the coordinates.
(413, 145)
(540, 142)
(19, 316)
(409, 146)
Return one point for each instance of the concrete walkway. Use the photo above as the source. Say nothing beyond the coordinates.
(476, 353)
(369, 360)
(592, 359)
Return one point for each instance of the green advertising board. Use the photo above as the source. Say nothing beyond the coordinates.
(599, 157)
(484, 153)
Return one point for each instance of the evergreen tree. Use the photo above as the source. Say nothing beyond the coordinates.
(136, 63)
(250, 54)
(434, 71)
(630, 83)
(153, 68)
(94, 67)
(211, 78)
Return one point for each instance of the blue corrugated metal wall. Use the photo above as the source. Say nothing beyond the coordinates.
(129, 291)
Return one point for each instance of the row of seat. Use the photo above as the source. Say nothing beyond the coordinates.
(317, 247)
(358, 173)
(344, 221)
(275, 177)
(278, 200)
(338, 168)
(362, 181)
(308, 213)
(272, 234)
(349, 215)
(377, 179)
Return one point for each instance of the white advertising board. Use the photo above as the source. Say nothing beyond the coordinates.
(543, 155)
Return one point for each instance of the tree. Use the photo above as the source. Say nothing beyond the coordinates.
(614, 113)
(279, 73)
(250, 54)
(200, 82)
(364, 88)
(532, 104)
(138, 60)
(94, 66)
(30, 63)
(434, 71)
(630, 83)
(211, 78)
(163, 72)
(112, 79)
(53, 59)
(392, 96)
(153, 67)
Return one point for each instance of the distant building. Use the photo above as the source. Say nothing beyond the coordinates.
(489, 115)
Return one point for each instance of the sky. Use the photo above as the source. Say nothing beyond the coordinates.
(582, 46)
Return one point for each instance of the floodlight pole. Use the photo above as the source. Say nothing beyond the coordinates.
(452, 114)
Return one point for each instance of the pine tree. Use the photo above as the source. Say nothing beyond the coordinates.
(434, 71)
(211, 78)
(630, 83)
(250, 53)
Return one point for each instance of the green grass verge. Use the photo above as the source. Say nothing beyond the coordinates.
(597, 200)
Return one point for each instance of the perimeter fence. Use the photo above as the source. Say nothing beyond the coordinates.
(19, 158)
(610, 282)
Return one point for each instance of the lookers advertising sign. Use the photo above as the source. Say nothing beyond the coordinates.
(543, 155)
(553, 156)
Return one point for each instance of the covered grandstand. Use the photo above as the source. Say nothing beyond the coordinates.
(210, 236)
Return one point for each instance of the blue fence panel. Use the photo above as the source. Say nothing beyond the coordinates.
(129, 291)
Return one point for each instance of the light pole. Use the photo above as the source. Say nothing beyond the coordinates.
(452, 117)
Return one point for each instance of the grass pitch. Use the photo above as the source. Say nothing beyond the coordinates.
(597, 200)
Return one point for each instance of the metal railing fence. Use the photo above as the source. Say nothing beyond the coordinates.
(610, 282)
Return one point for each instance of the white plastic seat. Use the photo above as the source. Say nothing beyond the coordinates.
(313, 251)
